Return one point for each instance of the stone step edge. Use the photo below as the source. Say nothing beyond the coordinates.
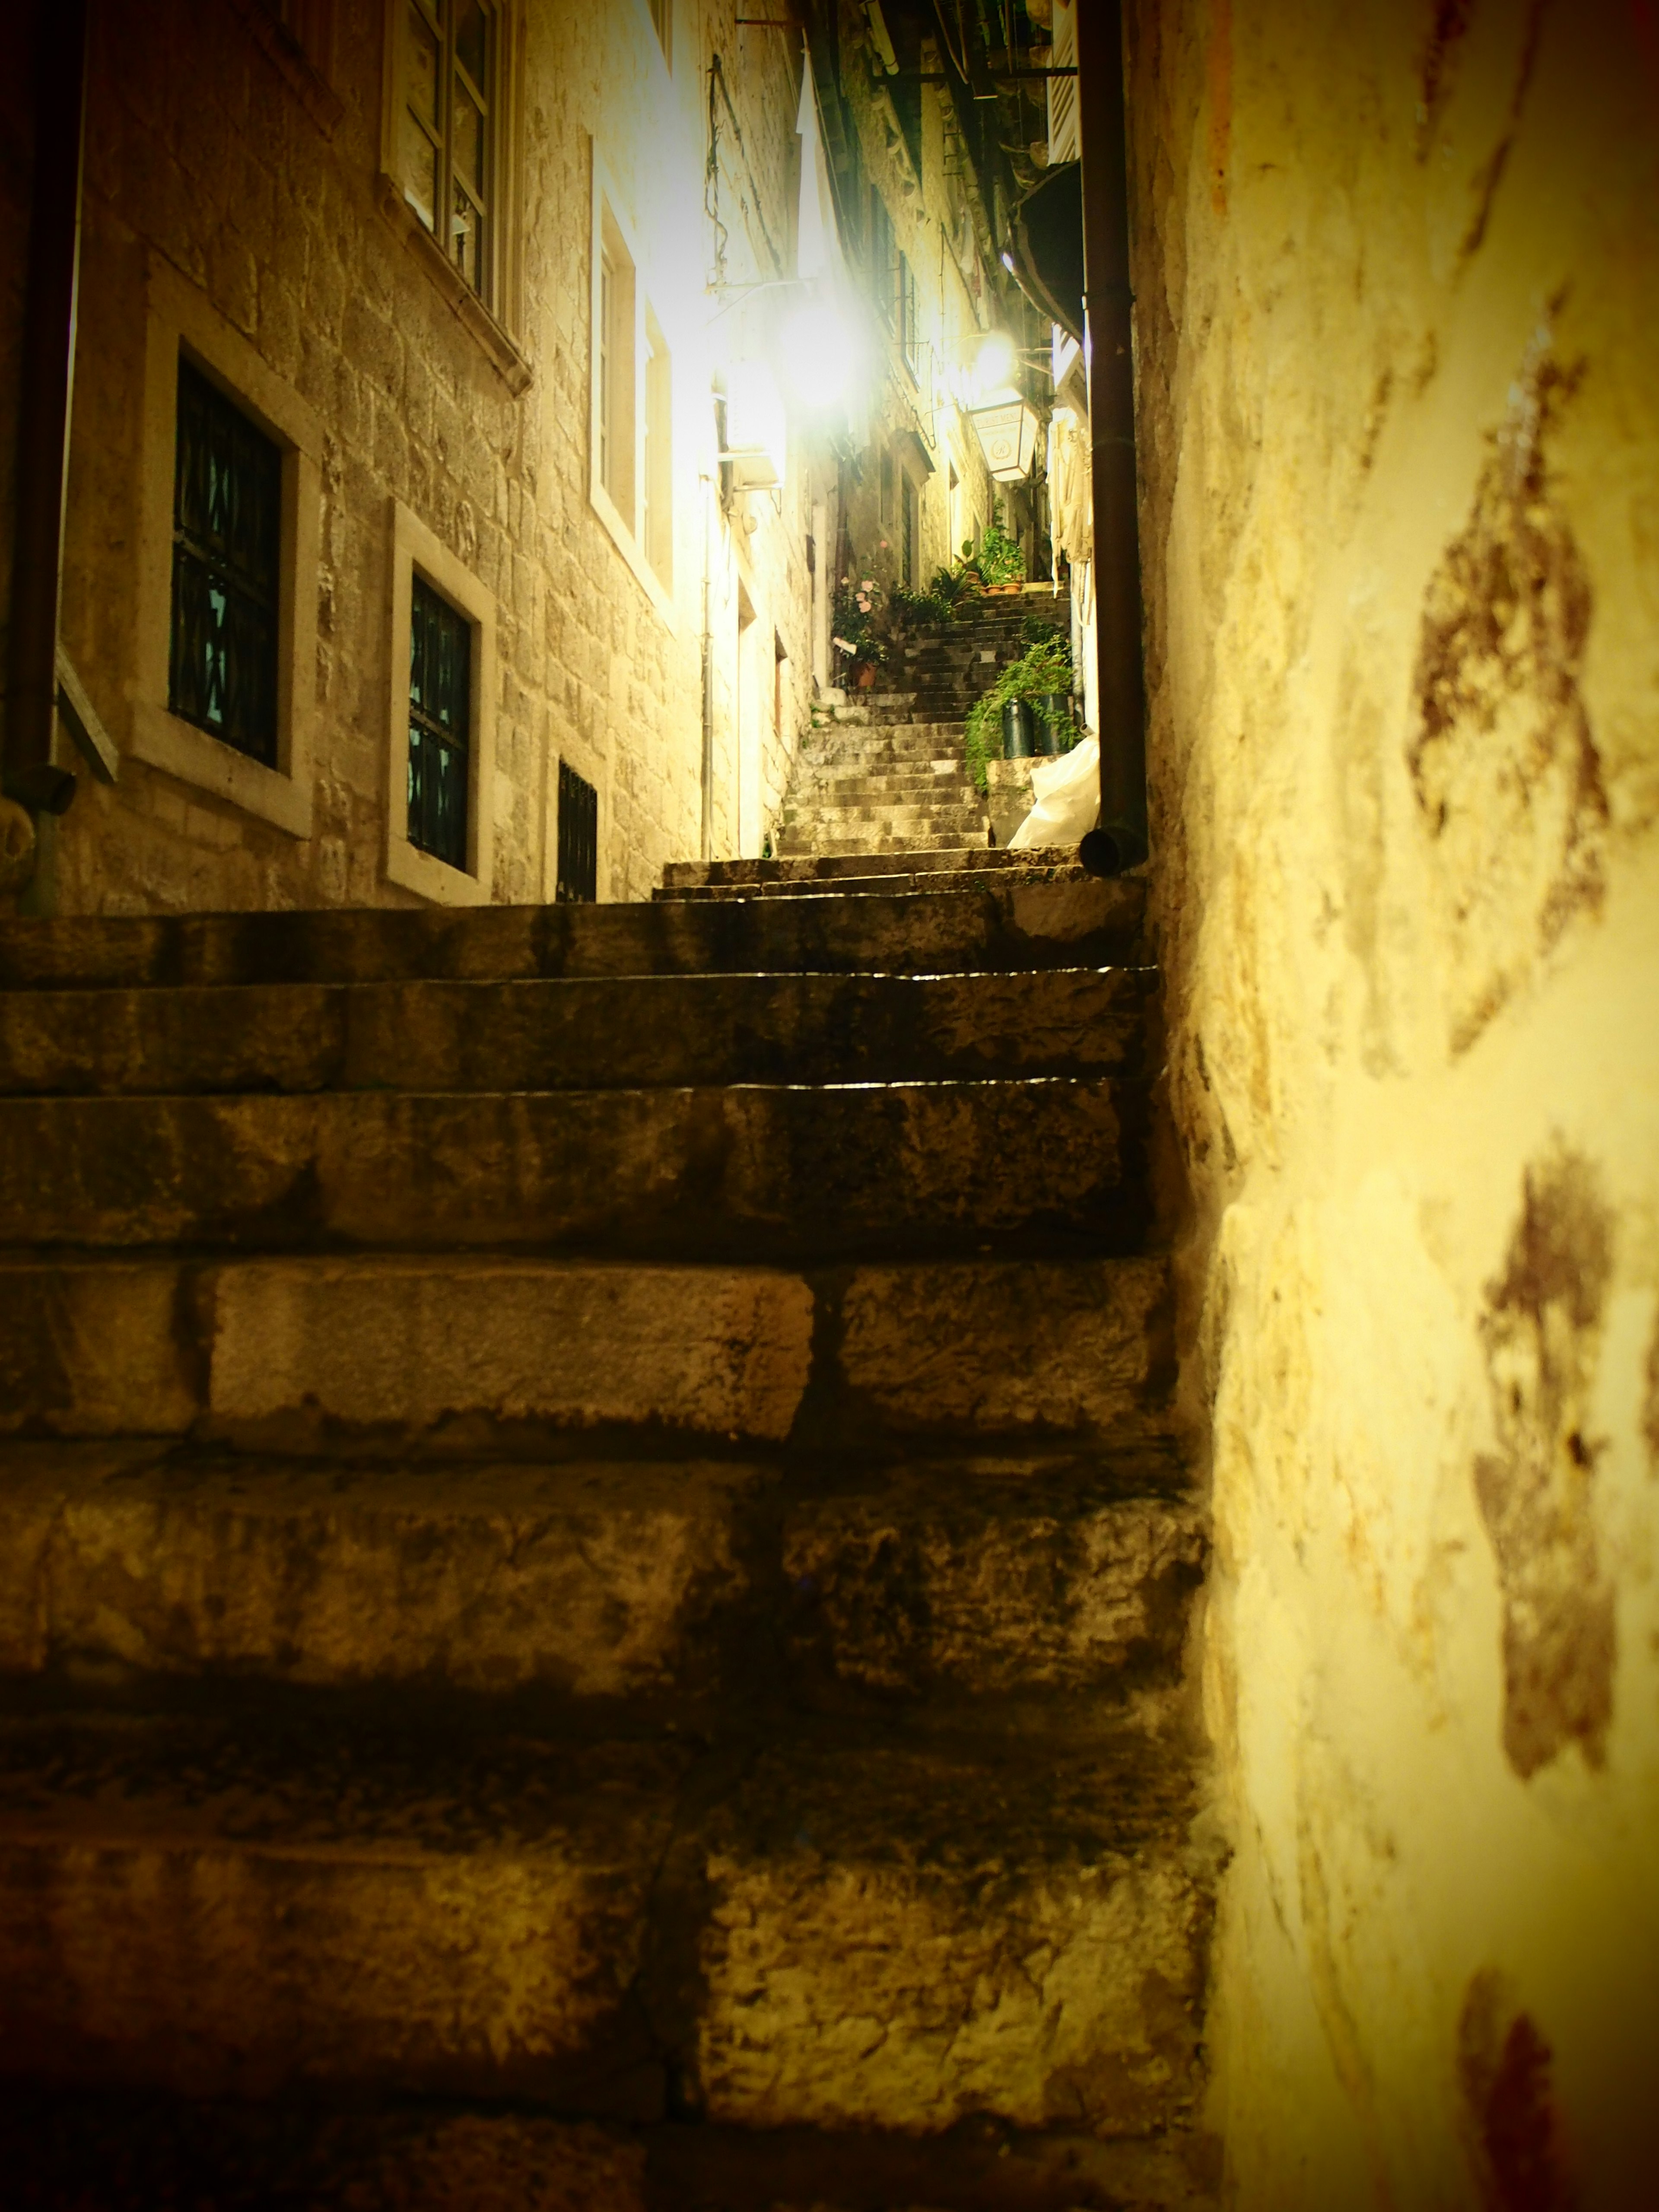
(919, 862)
(154, 1859)
(62, 2147)
(645, 1585)
(304, 1346)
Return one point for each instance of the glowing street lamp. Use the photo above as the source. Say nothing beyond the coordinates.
(821, 356)
(1007, 435)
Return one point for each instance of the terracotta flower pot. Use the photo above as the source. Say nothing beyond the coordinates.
(866, 675)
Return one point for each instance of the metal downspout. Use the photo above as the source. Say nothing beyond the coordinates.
(708, 674)
(1120, 842)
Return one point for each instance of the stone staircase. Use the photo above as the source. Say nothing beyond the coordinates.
(594, 1571)
(883, 772)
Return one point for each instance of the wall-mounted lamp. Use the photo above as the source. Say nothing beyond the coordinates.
(1007, 432)
(756, 432)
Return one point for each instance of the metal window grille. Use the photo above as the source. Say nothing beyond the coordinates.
(227, 548)
(579, 837)
(439, 724)
(447, 129)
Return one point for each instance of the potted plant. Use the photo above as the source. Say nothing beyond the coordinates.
(1000, 562)
(857, 636)
(1043, 671)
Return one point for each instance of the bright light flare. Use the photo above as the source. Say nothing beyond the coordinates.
(994, 367)
(820, 353)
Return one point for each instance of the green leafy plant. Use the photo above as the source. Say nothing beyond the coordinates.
(1044, 666)
(956, 587)
(908, 609)
(999, 560)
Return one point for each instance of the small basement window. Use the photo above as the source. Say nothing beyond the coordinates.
(579, 837)
(227, 553)
(439, 724)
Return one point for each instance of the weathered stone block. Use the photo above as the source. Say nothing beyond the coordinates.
(900, 1941)
(991, 1346)
(186, 1910)
(724, 1170)
(413, 1347)
(590, 1581)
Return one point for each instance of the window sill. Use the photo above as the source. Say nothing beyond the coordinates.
(162, 740)
(429, 877)
(511, 365)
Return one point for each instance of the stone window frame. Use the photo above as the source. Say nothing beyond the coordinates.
(493, 327)
(179, 317)
(652, 397)
(415, 549)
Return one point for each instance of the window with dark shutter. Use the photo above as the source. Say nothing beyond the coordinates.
(439, 724)
(227, 548)
(579, 837)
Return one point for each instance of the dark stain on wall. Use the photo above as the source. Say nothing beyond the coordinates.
(1506, 773)
(1542, 1330)
(1650, 1401)
(1503, 2070)
(1491, 173)
(1449, 22)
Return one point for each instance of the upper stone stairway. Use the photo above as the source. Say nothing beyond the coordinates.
(593, 1564)
(885, 772)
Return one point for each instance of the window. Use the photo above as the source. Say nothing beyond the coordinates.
(227, 551)
(439, 724)
(440, 721)
(884, 507)
(883, 257)
(448, 131)
(579, 837)
(632, 473)
(615, 370)
(907, 326)
(910, 527)
(662, 14)
(228, 490)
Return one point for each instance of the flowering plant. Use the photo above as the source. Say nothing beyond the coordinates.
(857, 620)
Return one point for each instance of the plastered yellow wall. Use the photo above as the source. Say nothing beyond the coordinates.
(1397, 271)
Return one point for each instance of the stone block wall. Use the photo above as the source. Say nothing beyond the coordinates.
(1397, 289)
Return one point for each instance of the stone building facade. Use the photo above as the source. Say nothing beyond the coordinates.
(256, 205)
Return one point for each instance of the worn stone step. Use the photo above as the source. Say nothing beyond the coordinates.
(189, 1905)
(456, 1354)
(1040, 863)
(861, 885)
(677, 1586)
(496, 944)
(223, 1907)
(832, 786)
(572, 1034)
(752, 1172)
(869, 842)
(132, 2152)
